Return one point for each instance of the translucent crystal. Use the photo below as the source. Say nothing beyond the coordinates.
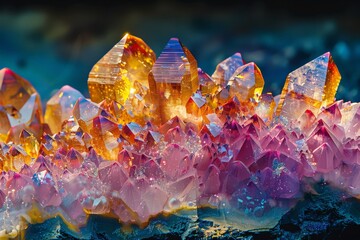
(246, 82)
(173, 79)
(183, 147)
(309, 87)
(84, 112)
(112, 77)
(265, 108)
(226, 69)
(20, 106)
(59, 107)
(207, 84)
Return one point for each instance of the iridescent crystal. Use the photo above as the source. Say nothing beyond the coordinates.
(204, 150)
(172, 80)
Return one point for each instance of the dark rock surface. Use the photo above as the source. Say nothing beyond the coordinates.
(326, 215)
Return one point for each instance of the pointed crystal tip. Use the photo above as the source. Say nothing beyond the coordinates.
(112, 77)
(309, 87)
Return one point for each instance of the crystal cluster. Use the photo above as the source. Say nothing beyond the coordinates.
(161, 136)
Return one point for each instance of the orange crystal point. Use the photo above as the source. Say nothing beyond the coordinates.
(197, 108)
(309, 87)
(84, 113)
(16, 158)
(105, 134)
(265, 107)
(15, 90)
(226, 69)
(20, 106)
(207, 84)
(29, 143)
(113, 75)
(196, 105)
(60, 106)
(247, 82)
(172, 80)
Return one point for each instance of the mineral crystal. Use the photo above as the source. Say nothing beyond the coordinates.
(20, 106)
(207, 84)
(172, 80)
(60, 106)
(197, 105)
(113, 76)
(84, 112)
(168, 139)
(266, 107)
(309, 87)
(246, 82)
(227, 68)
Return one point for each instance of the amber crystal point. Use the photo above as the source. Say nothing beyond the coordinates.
(112, 77)
(172, 80)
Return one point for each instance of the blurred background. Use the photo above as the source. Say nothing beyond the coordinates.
(56, 44)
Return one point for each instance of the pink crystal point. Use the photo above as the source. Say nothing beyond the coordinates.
(19, 189)
(45, 188)
(112, 175)
(212, 180)
(176, 161)
(238, 173)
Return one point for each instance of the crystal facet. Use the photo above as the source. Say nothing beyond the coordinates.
(226, 69)
(172, 80)
(112, 77)
(246, 82)
(20, 106)
(60, 106)
(309, 87)
(168, 139)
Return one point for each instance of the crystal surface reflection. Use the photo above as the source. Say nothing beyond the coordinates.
(160, 137)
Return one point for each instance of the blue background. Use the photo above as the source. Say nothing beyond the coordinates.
(56, 44)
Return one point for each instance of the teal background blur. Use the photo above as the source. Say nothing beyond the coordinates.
(56, 44)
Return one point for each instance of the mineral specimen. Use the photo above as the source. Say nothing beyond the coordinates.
(309, 87)
(172, 80)
(163, 138)
(114, 75)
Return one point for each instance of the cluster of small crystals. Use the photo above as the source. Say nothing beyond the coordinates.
(161, 135)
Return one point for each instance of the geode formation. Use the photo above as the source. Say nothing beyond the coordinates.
(160, 138)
